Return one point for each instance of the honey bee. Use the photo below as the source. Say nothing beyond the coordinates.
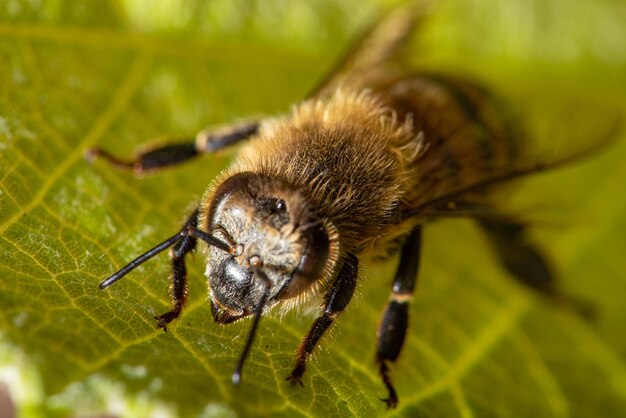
(351, 173)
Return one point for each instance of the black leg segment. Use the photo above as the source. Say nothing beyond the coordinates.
(181, 244)
(164, 156)
(178, 287)
(395, 318)
(211, 140)
(518, 256)
(177, 153)
(335, 301)
(527, 264)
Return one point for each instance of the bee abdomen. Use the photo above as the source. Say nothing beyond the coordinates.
(466, 130)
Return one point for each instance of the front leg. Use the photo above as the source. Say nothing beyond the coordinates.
(335, 301)
(178, 287)
(183, 243)
(207, 141)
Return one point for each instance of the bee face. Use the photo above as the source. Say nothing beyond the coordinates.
(274, 231)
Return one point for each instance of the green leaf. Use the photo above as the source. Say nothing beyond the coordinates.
(116, 74)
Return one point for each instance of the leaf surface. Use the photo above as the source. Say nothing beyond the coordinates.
(117, 75)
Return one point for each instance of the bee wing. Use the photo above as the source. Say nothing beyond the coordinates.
(379, 48)
(553, 134)
(559, 133)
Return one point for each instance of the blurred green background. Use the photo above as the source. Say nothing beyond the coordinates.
(120, 73)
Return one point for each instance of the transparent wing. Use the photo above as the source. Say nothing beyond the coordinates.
(492, 140)
(379, 49)
(539, 134)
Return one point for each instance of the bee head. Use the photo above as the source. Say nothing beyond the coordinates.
(282, 247)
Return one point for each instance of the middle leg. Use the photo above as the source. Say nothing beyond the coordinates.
(395, 318)
(335, 301)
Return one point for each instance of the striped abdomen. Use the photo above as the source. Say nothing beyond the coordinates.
(468, 137)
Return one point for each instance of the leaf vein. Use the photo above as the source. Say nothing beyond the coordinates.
(120, 100)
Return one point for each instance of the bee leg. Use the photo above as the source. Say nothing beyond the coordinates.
(335, 301)
(394, 321)
(176, 153)
(526, 263)
(178, 287)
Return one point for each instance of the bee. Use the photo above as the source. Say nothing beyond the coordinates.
(351, 173)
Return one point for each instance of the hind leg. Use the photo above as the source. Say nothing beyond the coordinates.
(526, 262)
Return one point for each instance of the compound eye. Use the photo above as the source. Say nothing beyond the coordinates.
(312, 263)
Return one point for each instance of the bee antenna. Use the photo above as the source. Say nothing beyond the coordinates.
(214, 242)
(257, 317)
(185, 232)
(141, 259)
